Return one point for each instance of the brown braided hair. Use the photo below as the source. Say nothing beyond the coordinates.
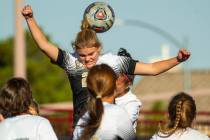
(182, 111)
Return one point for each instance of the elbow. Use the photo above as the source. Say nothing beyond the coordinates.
(155, 73)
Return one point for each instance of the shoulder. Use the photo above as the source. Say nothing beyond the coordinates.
(107, 58)
(114, 110)
(111, 57)
(106, 55)
(196, 134)
(68, 55)
(154, 137)
(130, 98)
(23, 123)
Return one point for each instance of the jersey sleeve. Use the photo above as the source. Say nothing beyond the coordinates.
(69, 62)
(125, 128)
(79, 127)
(120, 64)
(60, 59)
(133, 109)
(64, 60)
(45, 131)
(127, 64)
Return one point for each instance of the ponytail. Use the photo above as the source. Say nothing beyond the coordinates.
(86, 37)
(85, 25)
(95, 110)
(101, 81)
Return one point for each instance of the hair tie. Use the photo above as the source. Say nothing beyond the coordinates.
(98, 96)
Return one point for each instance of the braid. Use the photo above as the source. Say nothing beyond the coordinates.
(170, 131)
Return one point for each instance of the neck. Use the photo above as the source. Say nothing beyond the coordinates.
(108, 99)
(123, 93)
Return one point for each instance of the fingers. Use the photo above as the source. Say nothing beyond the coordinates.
(27, 11)
(183, 55)
(184, 52)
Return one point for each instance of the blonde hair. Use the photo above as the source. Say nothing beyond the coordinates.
(182, 111)
(87, 37)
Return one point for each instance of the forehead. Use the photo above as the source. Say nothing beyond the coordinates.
(87, 50)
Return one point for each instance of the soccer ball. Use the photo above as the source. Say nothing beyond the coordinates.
(100, 16)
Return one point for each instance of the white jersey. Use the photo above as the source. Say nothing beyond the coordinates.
(115, 124)
(26, 127)
(131, 104)
(188, 134)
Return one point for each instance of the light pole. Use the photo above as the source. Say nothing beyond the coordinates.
(168, 36)
(19, 47)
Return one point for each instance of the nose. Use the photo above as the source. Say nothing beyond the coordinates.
(87, 58)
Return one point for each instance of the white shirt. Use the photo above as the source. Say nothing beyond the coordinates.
(131, 104)
(115, 122)
(26, 127)
(188, 134)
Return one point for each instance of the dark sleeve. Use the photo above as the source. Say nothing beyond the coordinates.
(132, 66)
(128, 65)
(60, 58)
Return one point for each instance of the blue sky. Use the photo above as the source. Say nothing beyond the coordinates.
(181, 18)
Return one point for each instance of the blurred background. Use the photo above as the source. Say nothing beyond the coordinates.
(149, 30)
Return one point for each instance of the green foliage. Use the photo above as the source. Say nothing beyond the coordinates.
(6, 60)
(158, 106)
(49, 82)
(151, 122)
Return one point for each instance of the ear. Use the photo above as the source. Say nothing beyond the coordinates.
(99, 49)
(1, 118)
(117, 82)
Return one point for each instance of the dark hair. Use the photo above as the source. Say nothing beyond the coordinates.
(101, 81)
(15, 97)
(125, 53)
(182, 111)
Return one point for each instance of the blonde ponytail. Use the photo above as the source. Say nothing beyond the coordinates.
(86, 37)
(85, 25)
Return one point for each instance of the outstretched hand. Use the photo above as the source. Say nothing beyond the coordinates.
(183, 55)
(27, 12)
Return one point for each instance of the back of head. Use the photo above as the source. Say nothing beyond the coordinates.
(86, 37)
(101, 80)
(182, 111)
(182, 106)
(15, 97)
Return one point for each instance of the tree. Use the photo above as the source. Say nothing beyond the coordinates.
(49, 83)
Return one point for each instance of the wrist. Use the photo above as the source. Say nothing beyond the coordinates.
(29, 19)
(179, 60)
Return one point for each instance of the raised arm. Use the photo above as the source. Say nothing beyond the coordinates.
(161, 66)
(49, 49)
